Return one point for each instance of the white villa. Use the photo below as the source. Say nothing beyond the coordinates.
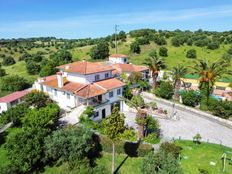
(84, 83)
(121, 64)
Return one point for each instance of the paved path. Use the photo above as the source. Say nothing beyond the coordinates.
(188, 125)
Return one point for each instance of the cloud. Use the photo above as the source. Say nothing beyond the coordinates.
(95, 22)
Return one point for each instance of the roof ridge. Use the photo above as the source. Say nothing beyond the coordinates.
(100, 86)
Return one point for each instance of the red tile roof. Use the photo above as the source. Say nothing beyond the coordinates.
(90, 90)
(129, 67)
(83, 67)
(13, 96)
(110, 83)
(86, 90)
(118, 56)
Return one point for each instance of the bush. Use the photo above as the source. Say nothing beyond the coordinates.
(190, 98)
(143, 41)
(152, 138)
(192, 53)
(163, 51)
(135, 48)
(13, 83)
(8, 61)
(36, 99)
(171, 148)
(213, 45)
(14, 114)
(129, 135)
(2, 72)
(165, 90)
(32, 67)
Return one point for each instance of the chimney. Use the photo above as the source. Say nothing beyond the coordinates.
(60, 80)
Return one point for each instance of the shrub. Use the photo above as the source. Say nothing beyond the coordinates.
(129, 135)
(135, 48)
(163, 51)
(32, 67)
(197, 138)
(14, 114)
(190, 98)
(160, 163)
(213, 45)
(171, 148)
(192, 53)
(2, 72)
(13, 83)
(8, 61)
(152, 138)
(165, 90)
(36, 99)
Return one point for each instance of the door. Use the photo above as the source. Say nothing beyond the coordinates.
(103, 113)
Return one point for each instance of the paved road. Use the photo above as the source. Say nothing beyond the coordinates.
(188, 125)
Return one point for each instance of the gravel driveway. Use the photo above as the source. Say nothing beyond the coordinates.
(188, 125)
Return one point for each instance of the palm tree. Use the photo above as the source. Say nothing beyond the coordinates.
(155, 64)
(178, 72)
(138, 104)
(208, 74)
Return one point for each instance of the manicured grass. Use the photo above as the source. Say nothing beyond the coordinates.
(131, 165)
(199, 156)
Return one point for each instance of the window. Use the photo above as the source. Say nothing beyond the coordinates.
(55, 92)
(119, 91)
(96, 114)
(48, 89)
(111, 94)
(125, 60)
(106, 75)
(63, 93)
(97, 77)
(68, 96)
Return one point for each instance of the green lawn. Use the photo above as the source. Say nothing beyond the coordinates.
(200, 156)
(131, 165)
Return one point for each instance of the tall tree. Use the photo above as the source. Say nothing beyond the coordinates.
(100, 51)
(114, 128)
(208, 74)
(138, 104)
(155, 64)
(178, 72)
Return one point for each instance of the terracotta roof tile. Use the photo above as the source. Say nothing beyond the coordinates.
(129, 67)
(90, 90)
(110, 83)
(13, 96)
(83, 67)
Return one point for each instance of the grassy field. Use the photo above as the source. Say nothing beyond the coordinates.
(200, 156)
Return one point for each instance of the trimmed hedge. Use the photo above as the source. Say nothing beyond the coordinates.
(125, 147)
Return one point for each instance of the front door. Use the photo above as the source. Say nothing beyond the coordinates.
(103, 113)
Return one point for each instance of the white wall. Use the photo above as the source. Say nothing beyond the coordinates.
(115, 96)
(89, 78)
(3, 107)
(99, 110)
(118, 60)
(61, 98)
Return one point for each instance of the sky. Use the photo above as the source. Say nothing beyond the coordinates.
(74, 19)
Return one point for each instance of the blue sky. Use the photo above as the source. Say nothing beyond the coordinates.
(95, 18)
